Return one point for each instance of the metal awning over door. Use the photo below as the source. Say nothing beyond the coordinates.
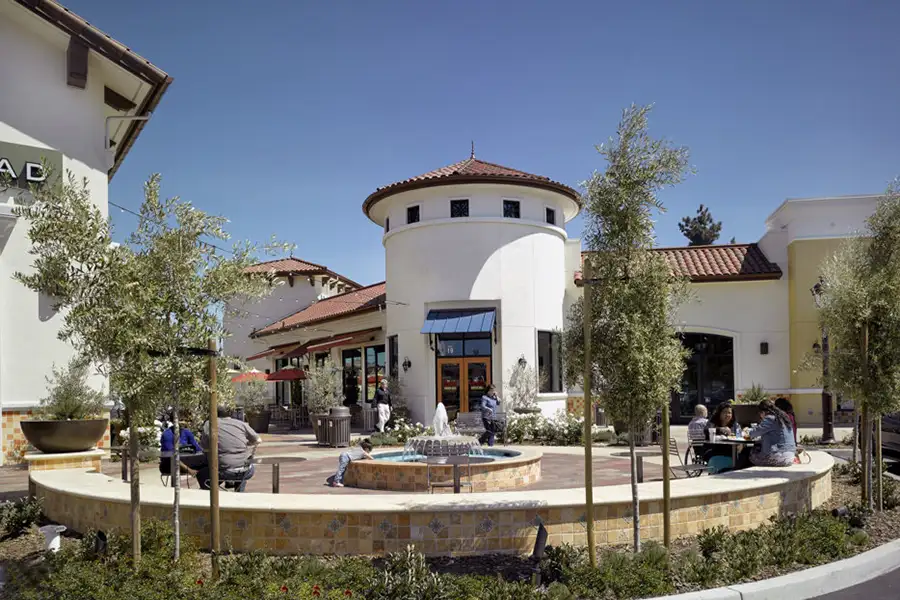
(479, 320)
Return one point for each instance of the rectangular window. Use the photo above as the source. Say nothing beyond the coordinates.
(412, 214)
(387, 224)
(550, 361)
(459, 208)
(281, 387)
(394, 357)
(353, 372)
(551, 215)
(320, 359)
(511, 209)
(374, 369)
(464, 344)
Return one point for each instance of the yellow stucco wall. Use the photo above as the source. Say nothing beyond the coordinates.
(804, 261)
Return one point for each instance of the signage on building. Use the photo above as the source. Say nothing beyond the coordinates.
(22, 166)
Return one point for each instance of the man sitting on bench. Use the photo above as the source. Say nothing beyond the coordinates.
(237, 443)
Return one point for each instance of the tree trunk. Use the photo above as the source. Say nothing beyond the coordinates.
(134, 452)
(667, 495)
(635, 506)
(879, 475)
(588, 406)
(855, 432)
(176, 480)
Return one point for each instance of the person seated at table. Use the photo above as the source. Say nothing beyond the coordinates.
(698, 425)
(236, 445)
(361, 452)
(788, 408)
(187, 445)
(776, 447)
(724, 423)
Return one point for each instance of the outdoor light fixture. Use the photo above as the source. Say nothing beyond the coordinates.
(406, 363)
(522, 362)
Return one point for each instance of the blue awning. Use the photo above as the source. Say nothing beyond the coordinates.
(459, 321)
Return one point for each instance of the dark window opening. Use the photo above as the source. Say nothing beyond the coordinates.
(374, 369)
(393, 357)
(551, 216)
(464, 344)
(459, 208)
(412, 214)
(352, 363)
(387, 224)
(550, 361)
(511, 209)
(321, 358)
(708, 378)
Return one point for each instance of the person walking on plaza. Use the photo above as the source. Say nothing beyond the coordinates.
(361, 452)
(489, 404)
(383, 404)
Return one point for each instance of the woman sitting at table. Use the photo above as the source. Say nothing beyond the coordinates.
(724, 423)
(775, 433)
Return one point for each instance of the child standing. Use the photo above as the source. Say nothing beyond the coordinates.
(361, 452)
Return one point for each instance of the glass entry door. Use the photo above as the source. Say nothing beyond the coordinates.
(462, 382)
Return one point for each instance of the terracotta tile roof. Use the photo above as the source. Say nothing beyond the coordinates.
(731, 262)
(470, 170)
(295, 266)
(341, 305)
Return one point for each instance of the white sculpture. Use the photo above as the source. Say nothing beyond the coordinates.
(441, 423)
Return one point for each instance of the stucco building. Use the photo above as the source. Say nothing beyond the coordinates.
(480, 274)
(78, 99)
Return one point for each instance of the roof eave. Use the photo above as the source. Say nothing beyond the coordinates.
(137, 126)
(263, 333)
(391, 190)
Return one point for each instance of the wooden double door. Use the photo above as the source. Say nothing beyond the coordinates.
(462, 382)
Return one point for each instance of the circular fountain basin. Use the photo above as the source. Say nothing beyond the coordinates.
(401, 471)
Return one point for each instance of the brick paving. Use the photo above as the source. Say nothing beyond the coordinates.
(558, 471)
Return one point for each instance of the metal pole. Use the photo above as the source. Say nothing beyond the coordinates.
(213, 462)
(827, 410)
(276, 478)
(667, 498)
(588, 407)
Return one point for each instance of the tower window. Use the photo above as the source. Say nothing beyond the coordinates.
(459, 208)
(550, 215)
(412, 214)
(511, 209)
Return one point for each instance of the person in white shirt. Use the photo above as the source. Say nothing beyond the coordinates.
(697, 426)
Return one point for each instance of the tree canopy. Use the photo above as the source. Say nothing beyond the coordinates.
(701, 229)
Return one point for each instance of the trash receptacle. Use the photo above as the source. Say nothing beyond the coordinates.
(369, 418)
(337, 427)
(599, 416)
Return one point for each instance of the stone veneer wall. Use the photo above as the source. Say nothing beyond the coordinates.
(15, 445)
(413, 477)
(448, 529)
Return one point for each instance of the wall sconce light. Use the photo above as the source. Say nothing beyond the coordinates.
(522, 362)
(406, 364)
(764, 347)
(816, 347)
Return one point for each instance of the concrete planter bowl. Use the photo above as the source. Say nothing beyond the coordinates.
(54, 437)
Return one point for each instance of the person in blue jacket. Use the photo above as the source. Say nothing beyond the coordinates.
(186, 440)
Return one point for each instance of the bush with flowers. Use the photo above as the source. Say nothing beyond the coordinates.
(148, 439)
(397, 433)
(562, 429)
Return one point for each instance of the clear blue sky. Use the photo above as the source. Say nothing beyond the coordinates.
(285, 118)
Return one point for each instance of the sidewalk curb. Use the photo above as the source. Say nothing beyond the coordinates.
(809, 583)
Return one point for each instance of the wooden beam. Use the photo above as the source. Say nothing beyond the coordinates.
(77, 63)
(117, 101)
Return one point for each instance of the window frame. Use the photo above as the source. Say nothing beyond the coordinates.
(550, 210)
(418, 207)
(512, 202)
(555, 383)
(467, 205)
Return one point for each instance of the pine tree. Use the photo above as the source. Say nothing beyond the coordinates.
(702, 229)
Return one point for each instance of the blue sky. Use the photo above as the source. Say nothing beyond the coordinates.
(285, 118)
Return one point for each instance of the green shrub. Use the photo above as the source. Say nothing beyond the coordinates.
(406, 575)
(559, 562)
(69, 395)
(18, 516)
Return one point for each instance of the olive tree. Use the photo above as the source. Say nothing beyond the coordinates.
(638, 359)
(135, 309)
(860, 307)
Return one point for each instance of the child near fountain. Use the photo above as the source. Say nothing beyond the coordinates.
(361, 452)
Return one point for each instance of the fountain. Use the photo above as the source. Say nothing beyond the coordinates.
(443, 443)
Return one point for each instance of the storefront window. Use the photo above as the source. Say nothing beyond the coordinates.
(374, 369)
(550, 361)
(709, 374)
(464, 344)
(352, 363)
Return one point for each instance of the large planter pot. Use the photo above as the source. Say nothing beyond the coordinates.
(259, 422)
(54, 437)
(318, 425)
(746, 414)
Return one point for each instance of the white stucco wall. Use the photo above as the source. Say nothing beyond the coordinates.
(751, 312)
(818, 218)
(38, 109)
(514, 265)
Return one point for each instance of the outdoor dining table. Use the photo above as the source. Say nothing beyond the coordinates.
(276, 462)
(456, 461)
(737, 444)
(639, 456)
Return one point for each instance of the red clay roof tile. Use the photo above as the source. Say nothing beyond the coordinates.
(295, 266)
(470, 170)
(340, 305)
(731, 262)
